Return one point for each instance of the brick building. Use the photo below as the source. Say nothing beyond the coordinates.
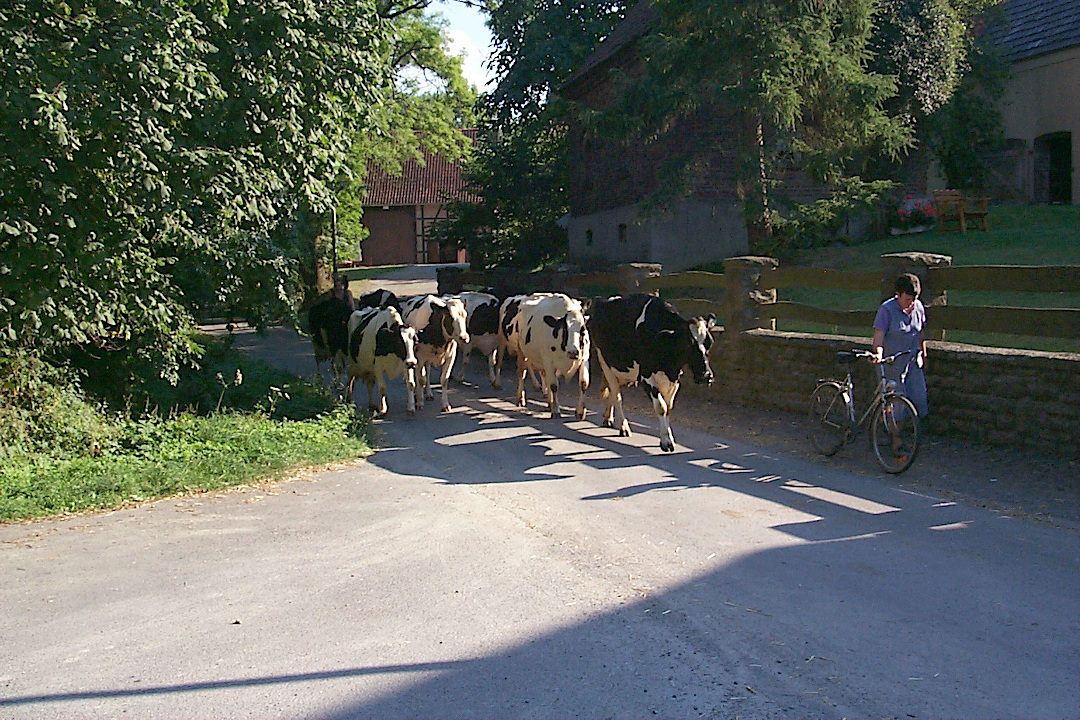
(400, 209)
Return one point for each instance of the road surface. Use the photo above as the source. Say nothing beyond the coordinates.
(492, 562)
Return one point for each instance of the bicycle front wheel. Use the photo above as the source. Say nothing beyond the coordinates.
(829, 423)
(896, 434)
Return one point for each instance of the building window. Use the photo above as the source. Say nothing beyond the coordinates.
(588, 237)
(622, 232)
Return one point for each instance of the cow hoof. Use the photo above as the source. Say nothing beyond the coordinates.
(446, 408)
(667, 448)
(624, 432)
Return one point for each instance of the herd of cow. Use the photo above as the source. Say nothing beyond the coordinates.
(635, 338)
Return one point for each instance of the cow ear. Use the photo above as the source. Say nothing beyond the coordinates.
(710, 322)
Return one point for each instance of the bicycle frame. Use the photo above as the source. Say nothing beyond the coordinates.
(881, 393)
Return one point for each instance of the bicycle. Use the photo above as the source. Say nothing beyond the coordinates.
(893, 420)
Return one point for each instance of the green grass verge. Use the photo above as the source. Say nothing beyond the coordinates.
(1018, 235)
(156, 458)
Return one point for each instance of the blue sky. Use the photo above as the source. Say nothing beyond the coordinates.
(468, 35)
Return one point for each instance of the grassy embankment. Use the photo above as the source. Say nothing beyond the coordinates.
(1017, 236)
(235, 421)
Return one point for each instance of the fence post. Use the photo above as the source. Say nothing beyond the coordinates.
(631, 275)
(744, 294)
(919, 264)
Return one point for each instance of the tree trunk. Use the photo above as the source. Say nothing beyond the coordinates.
(752, 187)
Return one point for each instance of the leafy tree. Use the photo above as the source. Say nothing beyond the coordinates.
(161, 152)
(970, 123)
(521, 165)
(790, 78)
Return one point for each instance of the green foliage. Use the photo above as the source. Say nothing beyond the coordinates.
(164, 156)
(922, 44)
(827, 220)
(232, 420)
(789, 80)
(156, 457)
(42, 410)
(520, 168)
(970, 124)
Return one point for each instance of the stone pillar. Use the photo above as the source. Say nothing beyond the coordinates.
(744, 294)
(631, 275)
(919, 264)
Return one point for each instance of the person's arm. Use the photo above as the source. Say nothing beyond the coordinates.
(878, 344)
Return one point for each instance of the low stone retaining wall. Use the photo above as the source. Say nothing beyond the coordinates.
(1017, 398)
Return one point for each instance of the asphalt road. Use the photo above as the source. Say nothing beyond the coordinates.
(494, 563)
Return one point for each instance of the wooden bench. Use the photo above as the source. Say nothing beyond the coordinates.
(954, 211)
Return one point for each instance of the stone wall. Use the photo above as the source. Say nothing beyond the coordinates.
(999, 396)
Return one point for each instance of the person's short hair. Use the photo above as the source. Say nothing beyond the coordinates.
(908, 283)
(343, 279)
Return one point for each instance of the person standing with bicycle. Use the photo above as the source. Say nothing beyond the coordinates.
(899, 326)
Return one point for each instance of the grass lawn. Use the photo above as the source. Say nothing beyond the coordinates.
(1018, 236)
(232, 421)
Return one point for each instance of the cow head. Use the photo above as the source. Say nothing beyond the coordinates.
(402, 338)
(702, 342)
(570, 333)
(456, 321)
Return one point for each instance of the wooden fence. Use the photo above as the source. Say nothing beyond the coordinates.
(745, 295)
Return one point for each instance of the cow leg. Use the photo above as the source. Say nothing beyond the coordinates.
(372, 405)
(458, 371)
(550, 378)
(583, 385)
(492, 374)
(662, 398)
(429, 394)
(444, 375)
(496, 366)
(418, 385)
(348, 390)
(615, 417)
(410, 390)
(521, 371)
(381, 379)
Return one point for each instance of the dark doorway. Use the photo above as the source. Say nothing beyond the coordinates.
(1053, 168)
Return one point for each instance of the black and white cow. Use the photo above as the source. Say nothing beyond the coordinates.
(381, 345)
(440, 326)
(482, 310)
(642, 338)
(377, 299)
(507, 344)
(328, 323)
(551, 340)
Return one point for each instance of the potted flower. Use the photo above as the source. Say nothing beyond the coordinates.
(913, 215)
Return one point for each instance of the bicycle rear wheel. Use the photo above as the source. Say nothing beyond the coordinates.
(896, 434)
(829, 423)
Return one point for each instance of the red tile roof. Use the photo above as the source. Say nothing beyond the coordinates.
(436, 182)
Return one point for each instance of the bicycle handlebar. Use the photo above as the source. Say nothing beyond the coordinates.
(869, 355)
